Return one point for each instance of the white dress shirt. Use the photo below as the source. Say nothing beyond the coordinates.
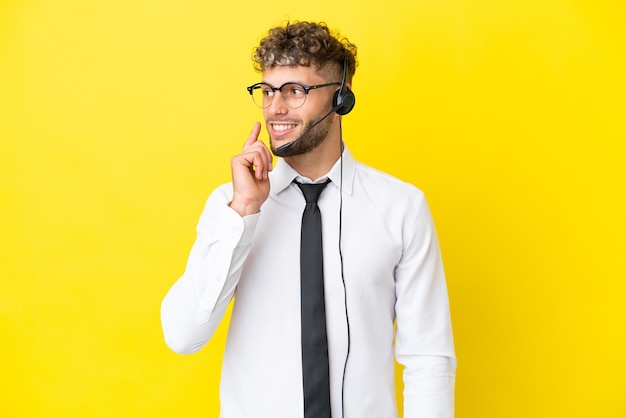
(388, 272)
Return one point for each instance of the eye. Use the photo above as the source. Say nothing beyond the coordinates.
(294, 90)
(267, 91)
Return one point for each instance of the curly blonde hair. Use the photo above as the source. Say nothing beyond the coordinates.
(306, 44)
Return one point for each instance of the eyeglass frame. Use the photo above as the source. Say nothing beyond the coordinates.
(306, 89)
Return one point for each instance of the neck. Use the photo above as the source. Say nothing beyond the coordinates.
(318, 162)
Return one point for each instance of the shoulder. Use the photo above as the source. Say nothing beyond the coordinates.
(222, 193)
(385, 185)
(218, 199)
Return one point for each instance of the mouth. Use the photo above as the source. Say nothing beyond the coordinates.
(279, 130)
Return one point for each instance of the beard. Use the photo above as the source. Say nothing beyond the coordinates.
(307, 142)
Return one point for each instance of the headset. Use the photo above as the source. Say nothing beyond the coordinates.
(344, 99)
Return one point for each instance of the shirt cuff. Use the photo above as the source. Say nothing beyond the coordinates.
(249, 226)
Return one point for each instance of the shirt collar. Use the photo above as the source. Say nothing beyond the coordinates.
(283, 174)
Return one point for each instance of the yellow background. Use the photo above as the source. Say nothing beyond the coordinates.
(117, 119)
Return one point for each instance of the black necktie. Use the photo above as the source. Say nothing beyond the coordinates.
(315, 380)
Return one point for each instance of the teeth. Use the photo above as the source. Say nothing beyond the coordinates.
(283, 127)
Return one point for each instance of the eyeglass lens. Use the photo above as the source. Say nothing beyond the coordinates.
(293, 95)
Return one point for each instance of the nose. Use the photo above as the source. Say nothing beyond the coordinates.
(277, 105)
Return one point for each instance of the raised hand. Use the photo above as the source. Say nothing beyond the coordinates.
(250, 170)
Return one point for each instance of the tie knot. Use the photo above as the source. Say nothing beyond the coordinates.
(312, 191)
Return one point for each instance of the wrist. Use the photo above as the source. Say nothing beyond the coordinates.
(244, 208)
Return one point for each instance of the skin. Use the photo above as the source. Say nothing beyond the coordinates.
(250, 168)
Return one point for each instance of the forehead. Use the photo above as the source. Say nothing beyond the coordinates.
(280, 74)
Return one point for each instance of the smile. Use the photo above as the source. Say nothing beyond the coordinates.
(282, 127)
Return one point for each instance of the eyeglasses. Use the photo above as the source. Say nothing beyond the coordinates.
(294, 94)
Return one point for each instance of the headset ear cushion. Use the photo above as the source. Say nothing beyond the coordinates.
(344, 101)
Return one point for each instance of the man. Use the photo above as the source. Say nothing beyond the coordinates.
(381, 260)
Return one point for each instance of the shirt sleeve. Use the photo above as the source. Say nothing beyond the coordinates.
(424, 342)
(194, 306)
